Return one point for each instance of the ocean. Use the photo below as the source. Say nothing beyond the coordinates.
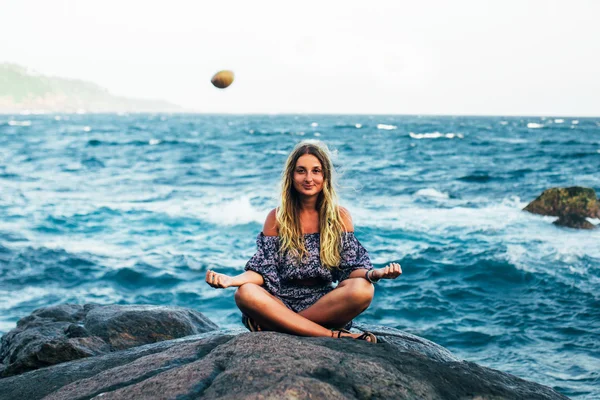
(133, 209)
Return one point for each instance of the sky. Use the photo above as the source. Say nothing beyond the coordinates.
(524, 57)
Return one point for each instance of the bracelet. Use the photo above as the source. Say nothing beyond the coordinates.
(367, 277)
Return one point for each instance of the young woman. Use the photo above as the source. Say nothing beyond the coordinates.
(306, 244)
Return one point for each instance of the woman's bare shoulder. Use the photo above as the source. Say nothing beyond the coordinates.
(346, 219)
(271, 228)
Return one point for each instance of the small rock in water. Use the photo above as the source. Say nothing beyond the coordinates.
(572, 205)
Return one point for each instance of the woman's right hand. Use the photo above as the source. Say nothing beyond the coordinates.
(218, 281)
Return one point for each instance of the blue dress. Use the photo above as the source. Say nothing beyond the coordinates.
(281, 272)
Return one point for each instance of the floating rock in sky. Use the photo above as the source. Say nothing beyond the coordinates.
(222, 79)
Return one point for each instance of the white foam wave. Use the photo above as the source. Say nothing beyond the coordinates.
(386, 127)
(514, 255)
(436, 135)
(19, 123)
(575, 122)
(508, 140)
(406, 215)
(90, 246)
(430, 192)
(532, 242)
(503, 122)
(534, 125)
(559, 121)
(235, 212)
(218, 209)
(314, 124)
(8, 300)
(358, 126)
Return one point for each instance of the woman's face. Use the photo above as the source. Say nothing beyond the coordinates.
(308, 175)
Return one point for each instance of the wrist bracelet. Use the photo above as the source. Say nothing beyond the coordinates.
(367, 277)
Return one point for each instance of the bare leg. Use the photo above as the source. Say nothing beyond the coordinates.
(349, 299)
(338, 307)
(271, 314)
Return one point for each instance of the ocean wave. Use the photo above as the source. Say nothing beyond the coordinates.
(386, 127)
(19, 123)
(136, 279)
(436, 135)
(407, 216)
(349, 126)
(477, 178)
(430, 192)
(218, 211)
(534, 125)
(149, 142)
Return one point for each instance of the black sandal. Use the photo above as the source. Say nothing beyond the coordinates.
(365, 336)
(250, 324)
(368, 335)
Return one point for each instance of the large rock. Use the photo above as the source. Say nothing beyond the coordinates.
(54, 335)
(572, 205)
(268, 365)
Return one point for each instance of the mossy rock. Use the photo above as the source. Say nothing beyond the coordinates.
(572, 201)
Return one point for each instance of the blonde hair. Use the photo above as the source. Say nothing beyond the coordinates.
(331, 225)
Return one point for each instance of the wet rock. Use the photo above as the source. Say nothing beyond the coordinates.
(572, 205)
(67, 332)
(267, 365)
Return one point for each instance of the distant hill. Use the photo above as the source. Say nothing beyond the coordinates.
(22, 90)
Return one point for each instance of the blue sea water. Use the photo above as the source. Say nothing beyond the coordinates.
(133, 209)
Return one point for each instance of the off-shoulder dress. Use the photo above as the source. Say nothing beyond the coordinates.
(282, 273)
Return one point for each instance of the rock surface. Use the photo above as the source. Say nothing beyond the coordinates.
(54, 335)
(234, 364)
(572, 205)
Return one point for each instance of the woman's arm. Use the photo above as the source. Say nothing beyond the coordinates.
(222, 281)
(391, 271)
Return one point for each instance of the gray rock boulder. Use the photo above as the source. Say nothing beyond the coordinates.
(58, 334)
(267, 365)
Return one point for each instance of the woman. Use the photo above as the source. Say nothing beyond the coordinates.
(306, 243)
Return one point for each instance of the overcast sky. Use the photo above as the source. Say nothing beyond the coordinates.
(505, 57)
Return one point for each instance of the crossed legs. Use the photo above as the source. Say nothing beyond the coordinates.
(334, 310)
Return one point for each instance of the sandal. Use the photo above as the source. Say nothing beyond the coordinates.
(366, 336)
(250, 324)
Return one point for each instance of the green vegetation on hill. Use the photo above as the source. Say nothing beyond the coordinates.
(21, 90)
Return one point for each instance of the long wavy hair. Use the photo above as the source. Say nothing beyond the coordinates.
(331, 225)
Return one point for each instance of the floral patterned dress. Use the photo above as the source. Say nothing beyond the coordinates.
(282, 273)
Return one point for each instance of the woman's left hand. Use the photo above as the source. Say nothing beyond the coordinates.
(391, 271)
